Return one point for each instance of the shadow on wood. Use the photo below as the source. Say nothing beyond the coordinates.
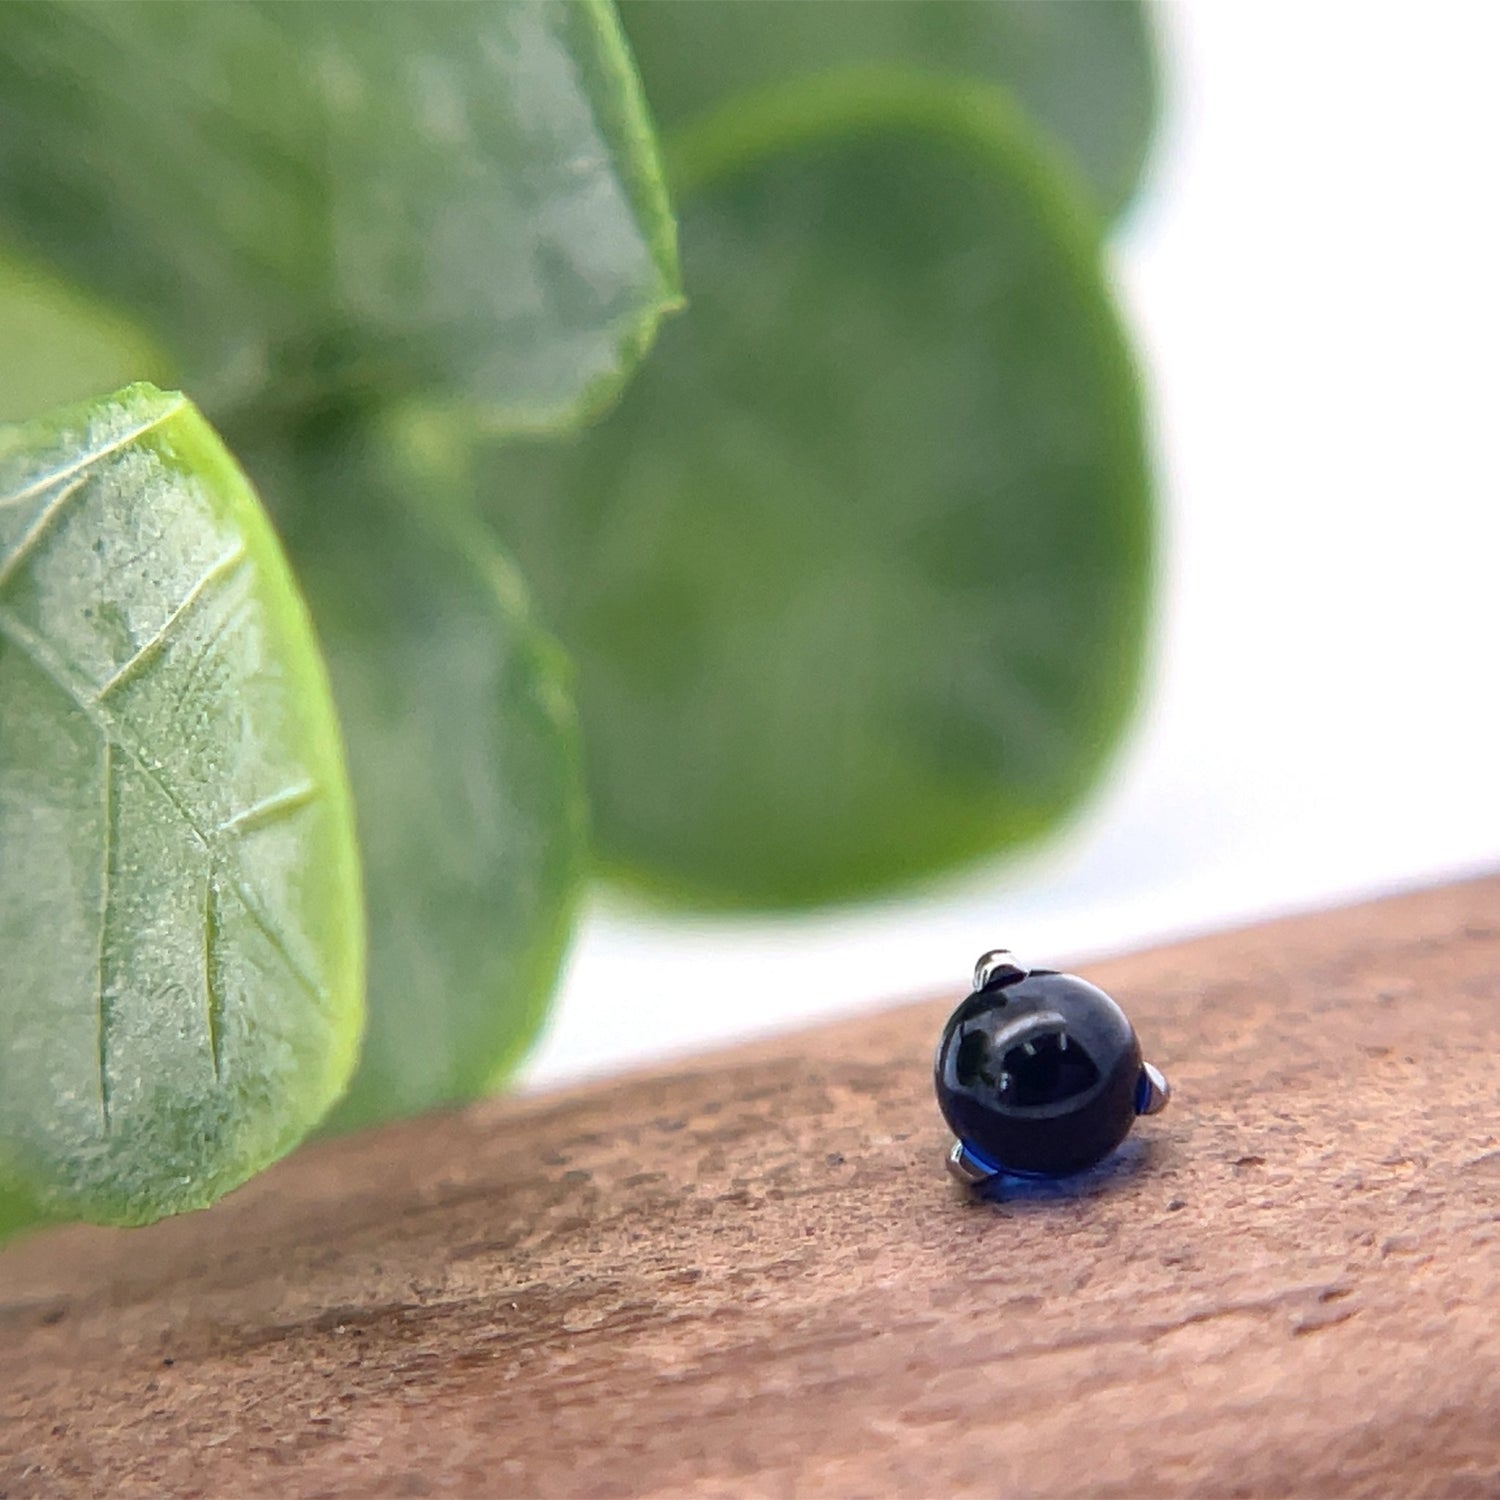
(750, 1274)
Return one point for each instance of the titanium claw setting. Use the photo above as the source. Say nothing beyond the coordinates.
(1039, 1074)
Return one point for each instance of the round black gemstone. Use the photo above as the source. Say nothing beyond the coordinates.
(1038, 1074)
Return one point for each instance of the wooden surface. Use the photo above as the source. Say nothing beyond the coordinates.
(750, 1275)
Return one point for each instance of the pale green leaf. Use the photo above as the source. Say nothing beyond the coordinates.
(179, 895)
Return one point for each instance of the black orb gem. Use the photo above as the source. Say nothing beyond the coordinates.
(1040, 1074)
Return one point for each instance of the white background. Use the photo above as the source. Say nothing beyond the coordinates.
(1313, 276)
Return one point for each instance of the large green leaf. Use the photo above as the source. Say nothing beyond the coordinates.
(856, 573)
(1084, 69)
(58, 347)
(17, 1211)
(463, 756)
(179, 894)
(455, 198)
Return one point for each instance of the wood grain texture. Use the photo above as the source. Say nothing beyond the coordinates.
(750, 1275)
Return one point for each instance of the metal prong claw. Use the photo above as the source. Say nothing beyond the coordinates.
(1153, 1093)
(998, 966)
(965, 1167)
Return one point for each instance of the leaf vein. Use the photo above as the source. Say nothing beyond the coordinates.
(106, 883)
(39, 527)
(212, 989)
(110, 727)
(272, 809)
(40, 485)
(226, 566)
(206, 648)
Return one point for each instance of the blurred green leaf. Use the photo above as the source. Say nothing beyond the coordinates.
(464, 759)
(856, 573)
(17, 1211)
(58, 347)
(1085, 69)
(320, 199)
(179, 892)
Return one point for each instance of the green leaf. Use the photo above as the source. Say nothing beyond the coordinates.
(61, 347)
(856, 573)
(1085, 70)
(460, 199)
(179, 891)
(463, 754)
(17, 1211)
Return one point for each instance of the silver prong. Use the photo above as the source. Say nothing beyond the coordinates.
(964, 1167)
(998, 966)
(1062, 1041)
(1029, 1048)
(1153, 1093)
